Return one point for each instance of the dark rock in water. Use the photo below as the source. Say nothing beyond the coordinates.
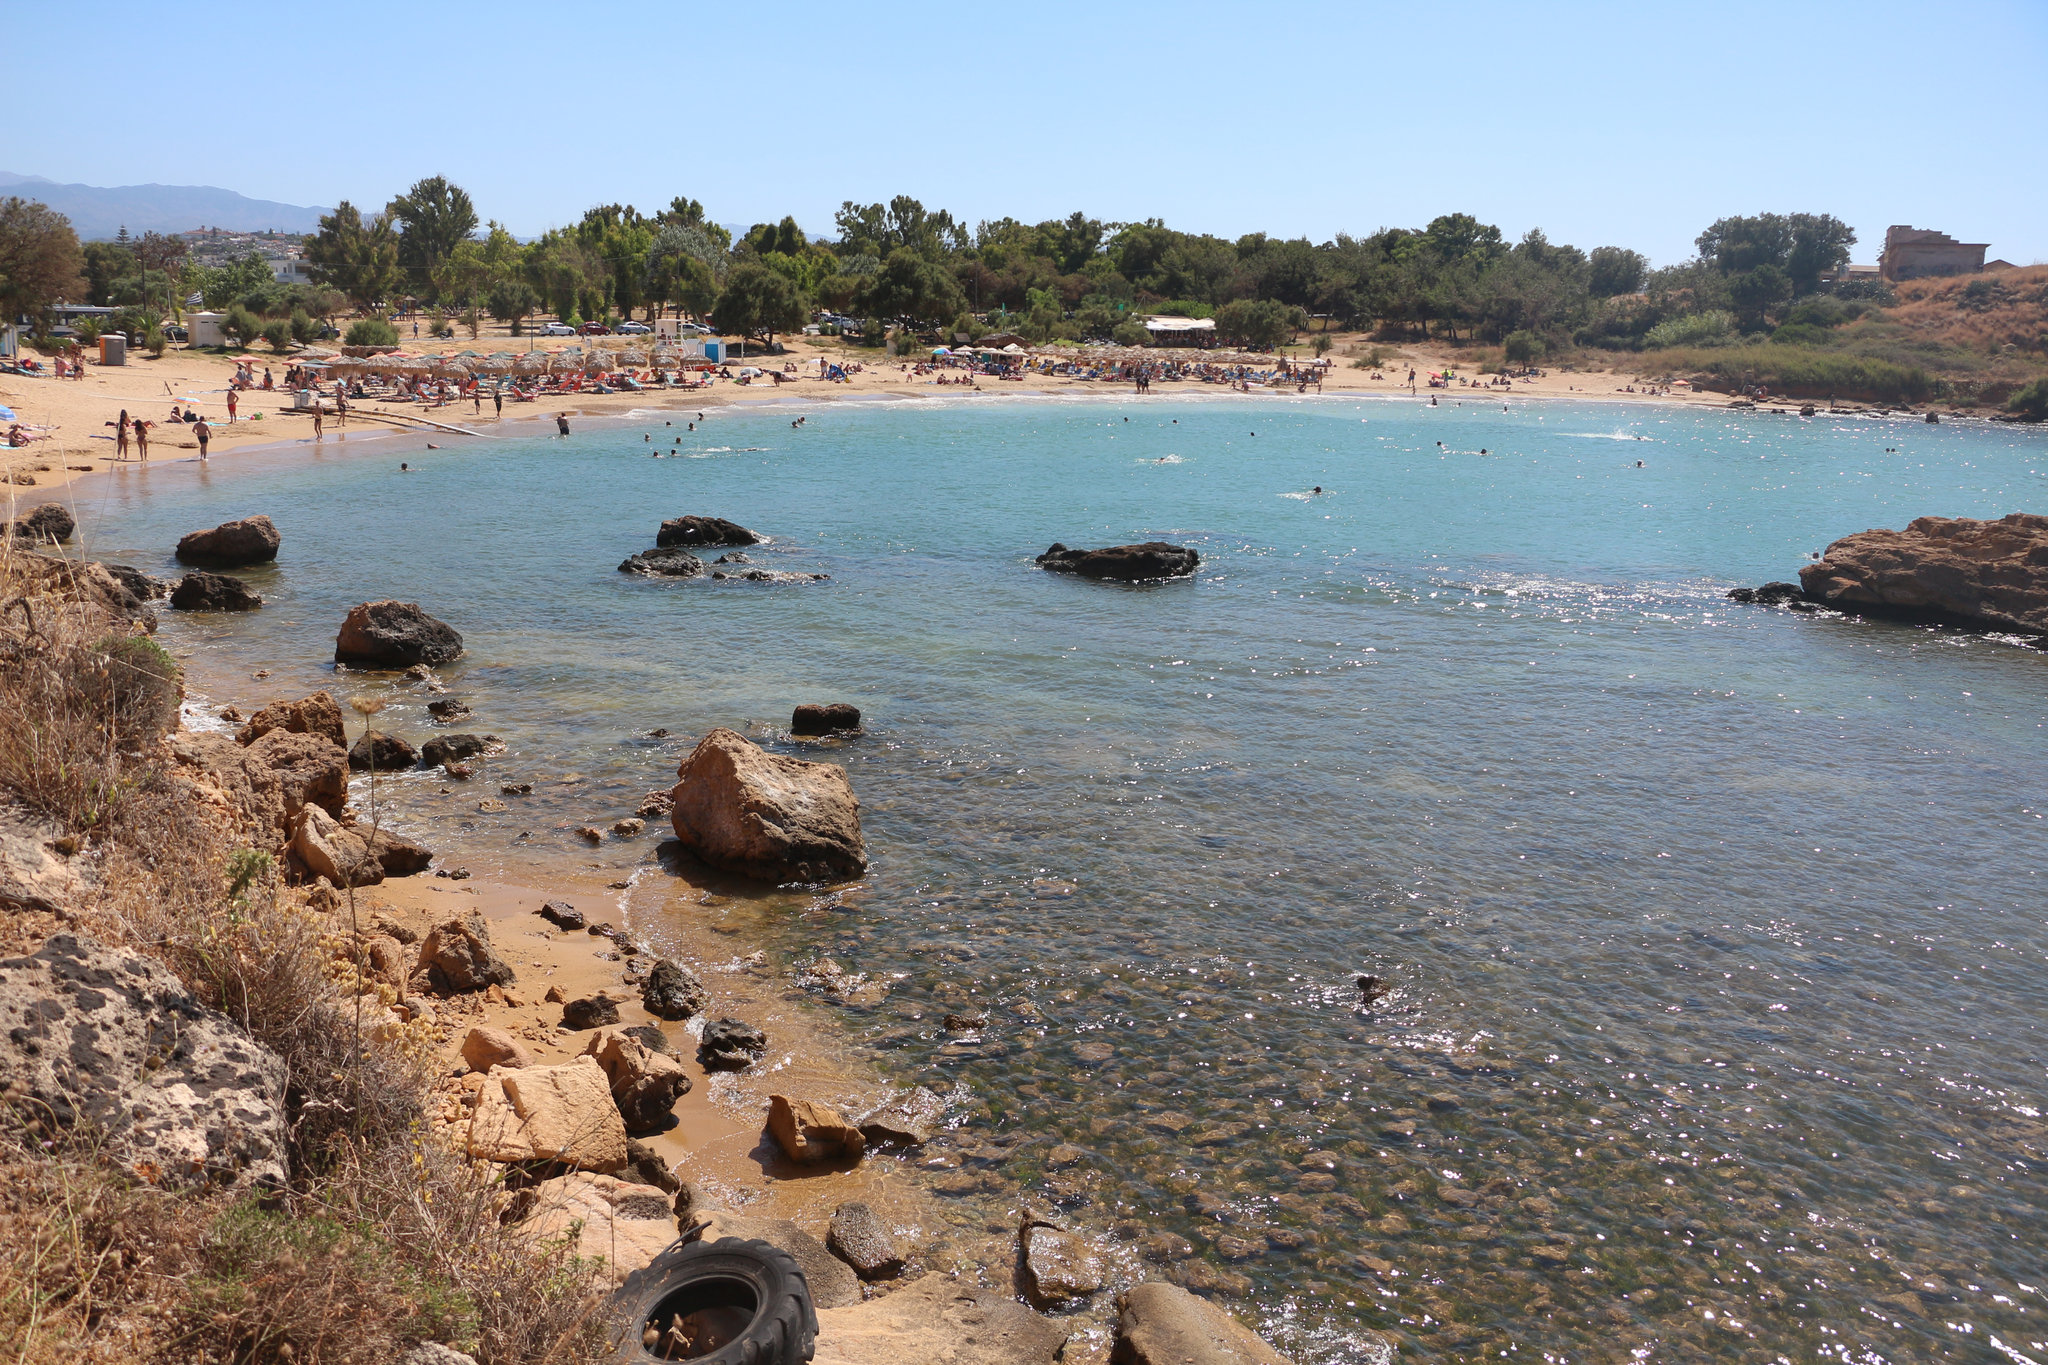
(1769, 595)
(822, 718)
(1977, 574)
(49, 524)
(704, 531)
(736, 557)
(1123, 563)
(107, 1043)
(385, 753)
(859, 1238)
(144, 587)
(673, 991)
(729, 1045)
(448, 710)
(590, 1011)
(232, 544)
(562, 915)
(770, 576)
(1371, 989)
(668, 562)
(392, 634)
(213, 592)
(451, 748)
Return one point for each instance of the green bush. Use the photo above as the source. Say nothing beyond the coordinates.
(371, 332)
(88, 331)
(301, 325)
(2031, 402)
(1130, 334)
(132, 686)
(1711, 328)
(240, 325)
(278, 332)
(1799, 372)
(1522, 347)
(155, 342)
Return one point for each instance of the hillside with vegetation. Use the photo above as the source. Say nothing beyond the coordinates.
(1759, 303)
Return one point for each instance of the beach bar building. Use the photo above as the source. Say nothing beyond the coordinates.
(1168, 331)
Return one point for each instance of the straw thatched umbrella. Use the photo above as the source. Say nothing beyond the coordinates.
(531, 363)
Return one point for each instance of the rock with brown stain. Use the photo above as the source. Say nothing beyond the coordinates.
(811, 1132)
(744, 810)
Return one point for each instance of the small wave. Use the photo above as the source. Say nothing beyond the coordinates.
(1603, 436)
(1163, 459)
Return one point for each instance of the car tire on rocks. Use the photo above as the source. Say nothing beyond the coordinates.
(729, 1302)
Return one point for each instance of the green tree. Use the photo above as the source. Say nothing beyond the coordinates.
(371, 332)
(1756, 293)
(757, 302)
(278, 332)
(1521, 348)
(360, 260)
(1820, 243)
(106, 263)
(910, 286)
(2030, 403)
(223, 285)
(40, 260)
(1260, 324)
(511, 302)
(1613, 270)
(434, 217)
(879, 229)
(240, 325)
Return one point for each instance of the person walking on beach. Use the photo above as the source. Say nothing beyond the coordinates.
(204, 433)
(142, 440)
(121, 436)
(232, 401)
(498, 401)
(340, 410)
(319, 422)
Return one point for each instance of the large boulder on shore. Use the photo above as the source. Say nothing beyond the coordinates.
(1981, 574)
(645, 1083)
(1163, 1324)
(549, 1113)
(382, 753)
(269, 781)
(617, 1223)
(811, 1132)
(232, 544)
(349, 854)
(1123, 563)
(213, 592)
(318, 714)
(395, 635)
(108, 1043)
(457, 957)
(742, 809)
(704, 531)
(48, 524)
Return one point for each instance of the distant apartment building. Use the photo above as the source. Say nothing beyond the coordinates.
(1912, 253)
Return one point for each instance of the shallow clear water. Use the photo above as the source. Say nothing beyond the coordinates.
(1717, 932)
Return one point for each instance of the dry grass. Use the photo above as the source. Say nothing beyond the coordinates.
(383, 1237)
(1985, 313)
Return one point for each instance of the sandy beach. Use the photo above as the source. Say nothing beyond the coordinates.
(73, 418)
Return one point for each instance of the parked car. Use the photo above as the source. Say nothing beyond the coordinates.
(558, 329)
(173, 332)
(693, 329)
(634, 329)
(595, 329)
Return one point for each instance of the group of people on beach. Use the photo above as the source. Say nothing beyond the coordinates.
(124, 426)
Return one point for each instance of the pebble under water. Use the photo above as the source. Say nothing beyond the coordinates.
(1715, 934)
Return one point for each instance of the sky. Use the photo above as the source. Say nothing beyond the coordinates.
(1633, 125)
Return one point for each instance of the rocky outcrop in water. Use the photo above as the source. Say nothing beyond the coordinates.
(704, 531)
(1123, 563)
(232, 544)
(824, 718)
(105, 1041)
(1163, 1324)
(1978, 574)
(1769, 595)
(381, 752)
(673, 991)
(741, 809)
(318, 714)
(667, 562)
(392, 634)
(811, 1132)
(645, 1083)
(445, 749)
(730, 1045)
(213, 592)
(49, 524)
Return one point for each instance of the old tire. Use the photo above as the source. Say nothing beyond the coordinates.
(747, 1300)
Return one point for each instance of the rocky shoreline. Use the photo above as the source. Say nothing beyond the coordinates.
(632, 1082)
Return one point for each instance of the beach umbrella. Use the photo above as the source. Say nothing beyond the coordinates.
(7, 415)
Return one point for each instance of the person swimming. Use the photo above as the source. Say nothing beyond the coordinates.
(1317, 490)
(404, 468)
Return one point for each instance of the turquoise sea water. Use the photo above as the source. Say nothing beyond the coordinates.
(1717, 932)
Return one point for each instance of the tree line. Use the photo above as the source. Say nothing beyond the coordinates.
(901, 266)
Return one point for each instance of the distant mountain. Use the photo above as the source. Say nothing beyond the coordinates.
(96, 211)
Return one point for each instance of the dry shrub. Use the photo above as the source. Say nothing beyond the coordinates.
(1984, 312)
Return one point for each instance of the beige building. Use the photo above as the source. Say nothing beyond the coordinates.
(1912, 253)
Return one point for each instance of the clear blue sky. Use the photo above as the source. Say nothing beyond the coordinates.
(1631, 124)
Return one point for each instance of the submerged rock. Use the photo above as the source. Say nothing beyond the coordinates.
(392, 634)
(1769, 595)
(232, 544)
(445, 749)
(704, 531)
(1058, 1267)
(778, 819)
(107, 1042)
(1123, 563)
(1979, 574)
(857, 1237)
(1163, 1324)
(666, 562)
(213, 592)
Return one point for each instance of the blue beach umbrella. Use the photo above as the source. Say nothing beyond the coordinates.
(7, 415)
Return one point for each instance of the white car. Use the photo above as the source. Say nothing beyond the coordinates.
(558, 329)
(633, 329)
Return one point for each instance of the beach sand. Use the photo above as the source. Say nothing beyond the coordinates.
(76, 415)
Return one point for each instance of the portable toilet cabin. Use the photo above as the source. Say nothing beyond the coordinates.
(205, 329)
(113, 349)
(714, 350)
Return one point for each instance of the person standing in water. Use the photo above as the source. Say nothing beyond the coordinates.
(204, 433)
(562, 423)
